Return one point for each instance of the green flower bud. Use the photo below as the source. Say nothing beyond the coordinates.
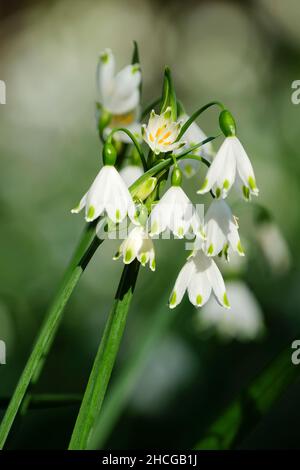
(176, 177)
(145, 189)
(109, 154)
(227, 123)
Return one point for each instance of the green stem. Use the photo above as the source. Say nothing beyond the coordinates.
(120, 392)
(244, 413)
(196, 114)
(105, 359)
(87, 247)
(135, 142)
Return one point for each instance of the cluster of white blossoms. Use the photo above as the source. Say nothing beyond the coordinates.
(125, 188)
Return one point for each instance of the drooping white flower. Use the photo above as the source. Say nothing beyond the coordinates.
(231, 161)
(199, 276)
(108, 193)
(130, 174)
(138, 245)
(221, 230)
(193, 135)
(175, 212)
(119, 94)
(161, 132)
(244, 321)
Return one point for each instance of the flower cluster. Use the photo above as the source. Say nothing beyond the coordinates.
(132, 178)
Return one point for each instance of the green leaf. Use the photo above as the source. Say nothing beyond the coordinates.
(86, 249)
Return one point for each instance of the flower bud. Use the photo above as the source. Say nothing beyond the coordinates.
(145, 189)
(227, 123)
(109, 154)
(176, 177)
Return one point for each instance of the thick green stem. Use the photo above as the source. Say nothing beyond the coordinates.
(244, 413)
(105, 359)
(87, 247)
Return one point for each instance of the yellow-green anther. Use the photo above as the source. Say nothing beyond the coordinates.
(218, 192)
(227, 123)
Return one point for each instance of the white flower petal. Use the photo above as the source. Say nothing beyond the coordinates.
(218, 285)
(80, 206)
(105, 75)
(244, 166)
(181, 283)
(216, 168)
(216, 228)
(199, 288)
(127, 81)
(234, 239)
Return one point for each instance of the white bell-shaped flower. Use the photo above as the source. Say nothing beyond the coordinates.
(161, 132)
(175, 212)
(199, 276)
(119, 94)
(244, 321)
(109, 194)
(138, 245)
(221, 230)
(192, 136)
(231, 161)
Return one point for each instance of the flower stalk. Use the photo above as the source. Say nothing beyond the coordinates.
(105, 359)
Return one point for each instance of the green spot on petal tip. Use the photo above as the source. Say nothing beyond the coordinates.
(252, 183)
(203, 186)
(199, 299)
(226, 184)
(118, 215)
(180, 232)
(246, 192)
(173, 299)
(226, 301)
(240, 248)
(128, 256)
(210, 249)
(91, 212)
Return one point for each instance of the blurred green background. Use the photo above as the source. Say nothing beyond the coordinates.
(244, 53)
